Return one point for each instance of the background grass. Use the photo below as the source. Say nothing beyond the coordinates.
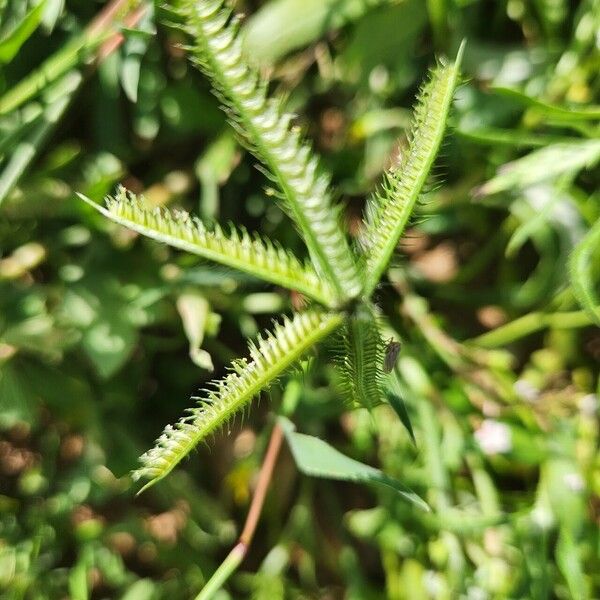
(104, 335)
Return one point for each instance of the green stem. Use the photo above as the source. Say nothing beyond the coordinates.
(437, 17)
(485, 489)
(529, 324)
(58, 64)
(434, 462)
(222, 574)
(440, 483)
(235, 557)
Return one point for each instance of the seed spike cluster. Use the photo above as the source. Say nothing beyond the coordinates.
(237, 248)
(270, 356)
(331, 279)
(266, 130)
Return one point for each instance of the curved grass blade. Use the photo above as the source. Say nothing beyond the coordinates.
(27, 148)
(397, 403)
(562, 113)
(580, 272)
(12, 42)
(543, 164)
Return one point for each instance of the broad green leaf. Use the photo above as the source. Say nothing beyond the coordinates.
(581, 265)
(36, 334)
(194, 310)
(108, 334)
(11, 43)
(316, 458)
(109, 343)
(383, 38)
(281, 26)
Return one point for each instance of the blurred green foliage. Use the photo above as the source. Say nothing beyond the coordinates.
(104, 336)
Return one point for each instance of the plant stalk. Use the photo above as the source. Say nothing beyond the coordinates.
(239, 551)
(531, 323)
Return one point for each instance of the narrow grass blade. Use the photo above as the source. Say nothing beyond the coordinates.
(563, 113)
(397, 403)
(11, 44)
(27, 149)
(581, 265)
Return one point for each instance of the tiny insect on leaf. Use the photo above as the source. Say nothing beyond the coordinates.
(392, 350)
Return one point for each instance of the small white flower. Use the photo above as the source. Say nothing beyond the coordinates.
(526, 391)
(542, 517)
(477, 593)
(574, 482)
(588, 405)
(494, 437)
(433, 583)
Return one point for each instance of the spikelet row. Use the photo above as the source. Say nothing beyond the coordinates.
(390, 208)
(237, 248)
(361, 359)
(269, 357)
(266, 129)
